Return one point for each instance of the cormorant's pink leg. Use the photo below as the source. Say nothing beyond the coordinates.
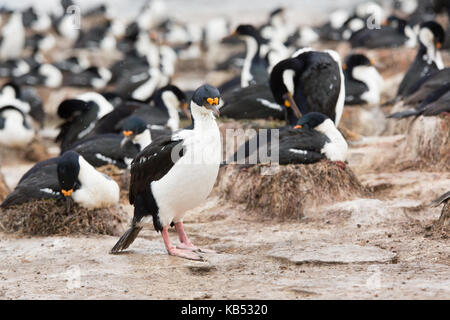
(186, 244)
(177, 252)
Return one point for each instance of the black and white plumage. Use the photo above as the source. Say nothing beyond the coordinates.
(176, 173)
(12, 37)
(309, 81)
(254, 70)
(427, 85)
(162, 114)
(24, 98)
(428, 59)
(68, 176)
(395, 33)
(436, 102)
(314, 137)
(253, 102)
(363, 83)
(15, 129)
(81, 115)
(42, 74)
(95, 77)
(116, 149)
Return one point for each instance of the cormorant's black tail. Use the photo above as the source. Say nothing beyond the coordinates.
(403, 114)
(436, 202)
(126, 240)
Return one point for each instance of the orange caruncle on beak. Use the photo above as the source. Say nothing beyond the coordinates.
(438, 45)
(287, 104)
(344, 66)
(298, 127)
(127, 133)
(67, 193)
(212, 101)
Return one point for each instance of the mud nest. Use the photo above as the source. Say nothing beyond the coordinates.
(283, 192)
(427, 144)
(4, 190)
(48, 217)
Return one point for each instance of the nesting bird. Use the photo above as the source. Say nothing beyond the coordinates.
(67, 177)
(363, 83)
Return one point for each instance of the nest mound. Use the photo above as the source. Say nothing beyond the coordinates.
(398, 126)
(36, 151)
(122, 177)
(48, 217)
(363, 120)
(282, 192)
(4, 190)
(427, 144)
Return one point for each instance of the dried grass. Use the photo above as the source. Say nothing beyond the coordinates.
(285, 193)
(48, 217)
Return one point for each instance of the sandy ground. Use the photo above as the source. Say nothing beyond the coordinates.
(366, 248)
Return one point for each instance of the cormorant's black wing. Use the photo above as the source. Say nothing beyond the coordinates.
(152, 163)
(38, 183)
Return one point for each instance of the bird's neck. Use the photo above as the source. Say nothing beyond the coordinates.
(203, 119)
(253, 48)
(143, 139)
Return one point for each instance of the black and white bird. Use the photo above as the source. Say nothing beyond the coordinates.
(115, 149)
(254, 70)
(25, 99)
(253, 102)
(68, 176)
(309, 81)
(436, 102)
(15, 128)
(12, 38)
(428, 59)
(395, 32)
(92, 77)
(161, 114)
(80, 116)
(363, 83)
(174, 174)
(427, 85)
(41, 75)
(314, 137)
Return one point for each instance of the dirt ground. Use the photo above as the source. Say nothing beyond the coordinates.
(375, 248)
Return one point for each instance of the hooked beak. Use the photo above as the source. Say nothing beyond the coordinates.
(185, 110)
(67, 194)
(212, 105)
(128, 135)
(289, 102)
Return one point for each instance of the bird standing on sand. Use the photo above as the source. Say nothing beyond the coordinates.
(174, 174)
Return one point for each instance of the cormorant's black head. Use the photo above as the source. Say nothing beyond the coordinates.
(178, 96)
(311, 120)
(68, 169)
(247, 30)
(282, 86)
(437, 33)
(396, 23)
(207, 97)
(133, 126)
(356, 60)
